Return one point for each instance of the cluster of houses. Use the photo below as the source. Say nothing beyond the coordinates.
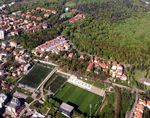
(10, 106)
(32, 113)
(17, 22)
(13, 106)
(14, 60)
(11, 25)
(5, 86)
(77, 15)
(117, 71)
(141, 104)
(112, 68)
(41, 12)
(54, 46)
(97, 64)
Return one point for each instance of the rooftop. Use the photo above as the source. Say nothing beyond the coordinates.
(66, 107)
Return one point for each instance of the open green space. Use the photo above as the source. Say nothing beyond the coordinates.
(72, 3)
(80, 97)
(90, 1)
(36, 75)
(134, 31)
(55, 82)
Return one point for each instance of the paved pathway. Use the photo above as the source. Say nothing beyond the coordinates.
(126, 87)
(41, 86)
(47, 78)
(45, 62)
(134, 106)
(97, 91)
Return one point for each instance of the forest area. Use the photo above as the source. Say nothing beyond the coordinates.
(112, 29)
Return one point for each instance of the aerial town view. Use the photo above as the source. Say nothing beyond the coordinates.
(74, 58)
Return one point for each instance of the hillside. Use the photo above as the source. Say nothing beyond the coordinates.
(117, 29)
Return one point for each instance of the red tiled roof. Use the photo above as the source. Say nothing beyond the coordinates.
(90, 67)
(140, 107)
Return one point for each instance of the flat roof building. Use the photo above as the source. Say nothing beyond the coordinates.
(66, 109)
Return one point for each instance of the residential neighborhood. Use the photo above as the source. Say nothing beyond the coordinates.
(74, 59)
(11, 51)
(13, 24)
(140, 108)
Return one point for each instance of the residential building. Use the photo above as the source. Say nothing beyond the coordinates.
(14, 107)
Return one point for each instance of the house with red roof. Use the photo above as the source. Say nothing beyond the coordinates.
(141, 104)
(76, 18)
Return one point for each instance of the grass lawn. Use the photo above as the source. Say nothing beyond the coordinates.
(38, 73)
(79, 97)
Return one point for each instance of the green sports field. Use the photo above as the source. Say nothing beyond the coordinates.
(80, 97)
(55, 82)
(36, 75)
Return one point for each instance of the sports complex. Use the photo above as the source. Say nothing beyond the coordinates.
(76, 93)
(64, 88)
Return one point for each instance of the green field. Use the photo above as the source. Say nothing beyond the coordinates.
(55, 82)
(36, 75)
(134, 31)
(80, 97)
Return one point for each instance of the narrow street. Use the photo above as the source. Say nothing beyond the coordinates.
(126, 87)
(134, 106)
(41, 86)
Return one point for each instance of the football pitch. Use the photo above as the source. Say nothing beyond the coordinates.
(86, 101)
